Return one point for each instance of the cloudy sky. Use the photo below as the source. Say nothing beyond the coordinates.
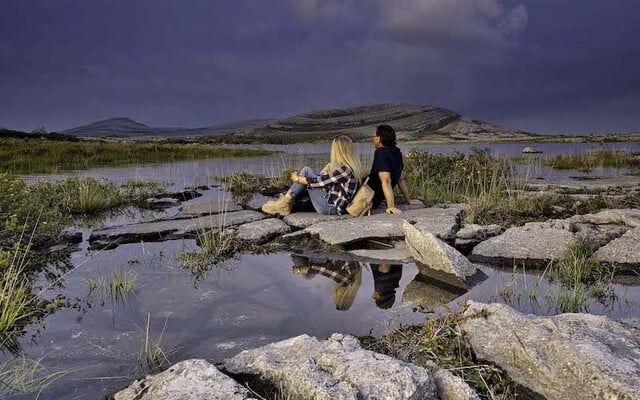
(550, 66)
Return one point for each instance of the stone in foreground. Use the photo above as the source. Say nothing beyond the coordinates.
(442, 222)
(623, 216)
(564, 357)
(452, 387)
(306, 219)
(432, 252)
(623, 252)
(169, 229)
(186, 380)
(259, 232)
(337, 368)
(534, 244)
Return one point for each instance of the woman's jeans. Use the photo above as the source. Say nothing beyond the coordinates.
(319, 197)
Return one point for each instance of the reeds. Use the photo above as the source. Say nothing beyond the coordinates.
(118, 284)
(22, 375)
(595, 159)
(152, 356)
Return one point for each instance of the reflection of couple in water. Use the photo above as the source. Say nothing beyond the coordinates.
(347, 276)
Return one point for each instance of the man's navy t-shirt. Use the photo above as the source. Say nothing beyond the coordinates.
(385, 159)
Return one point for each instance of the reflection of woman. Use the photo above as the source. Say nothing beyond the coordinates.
(386, 279)
(347, 276)
(329, 191)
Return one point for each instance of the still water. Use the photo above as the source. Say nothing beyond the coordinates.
(244, 302)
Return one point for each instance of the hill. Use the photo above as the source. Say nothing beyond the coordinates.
(411, 122)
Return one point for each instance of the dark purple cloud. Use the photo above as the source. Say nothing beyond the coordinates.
(543, 65)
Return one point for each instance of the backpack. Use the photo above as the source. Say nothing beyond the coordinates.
(361, 203)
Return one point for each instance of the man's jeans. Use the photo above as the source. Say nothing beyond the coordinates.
(319, 197)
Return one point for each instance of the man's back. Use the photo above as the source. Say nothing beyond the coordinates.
(385, 159)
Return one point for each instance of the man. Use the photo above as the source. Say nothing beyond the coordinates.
(386, 170)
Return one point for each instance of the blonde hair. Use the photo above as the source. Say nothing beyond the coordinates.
(344, 296)
(343, 153)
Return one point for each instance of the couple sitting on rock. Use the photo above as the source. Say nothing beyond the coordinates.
(331, 190)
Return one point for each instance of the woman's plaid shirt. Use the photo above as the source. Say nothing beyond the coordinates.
(341, 185)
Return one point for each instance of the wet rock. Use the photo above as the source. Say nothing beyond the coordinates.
(190, 210)
(182, 195)
(441, 222)
(625, 216)
(429, 294)
(398, 253)
(432, 252)
(532, 244)
(530, 150)
(568, 356)
(259, 232)
(169, 229)
(623, 252)
(478, 232)
(337, 368)
(452, 387)
(162, 202)
(186, 380)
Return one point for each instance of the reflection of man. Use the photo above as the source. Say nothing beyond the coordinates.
(386, 279)
(386, 170)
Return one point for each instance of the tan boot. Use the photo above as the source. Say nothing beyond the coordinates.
(282, 206)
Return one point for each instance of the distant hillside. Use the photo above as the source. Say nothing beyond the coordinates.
(126, 127)
(411, 122)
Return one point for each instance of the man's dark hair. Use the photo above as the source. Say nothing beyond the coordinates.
(387, 135)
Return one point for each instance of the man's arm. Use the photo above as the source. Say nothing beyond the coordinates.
(404, 188)
(385, 179)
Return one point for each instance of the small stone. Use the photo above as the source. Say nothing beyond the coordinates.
(626, 216)
(478, 232)
(452, 387)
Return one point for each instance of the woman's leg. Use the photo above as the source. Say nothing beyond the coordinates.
(318, 198)
(297, 189)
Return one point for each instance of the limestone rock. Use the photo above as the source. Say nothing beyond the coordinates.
(599, 235)
(189, 210)
(337, 368)
(452, 387)
(186, 380)
(306, 219)
(259, 232)
(624, 251)
(625, 216)
(478, 232)
(169, 229)
(436, 254)
(534, 245)
(439, 221)
(564, 357)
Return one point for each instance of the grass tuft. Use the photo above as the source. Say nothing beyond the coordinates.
(152, 357)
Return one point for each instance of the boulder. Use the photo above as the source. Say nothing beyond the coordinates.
(478, 232)
(337, 368)
(306, 219)
(623, 252)
(432, 252)
(169, 229)
(564, 357)
(196, 209)
(441, 222)
(625, 216)
(259, 232)
(532, 244)
(452, 387)
(186, 380)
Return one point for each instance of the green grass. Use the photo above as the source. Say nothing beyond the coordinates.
(117, 284)
(152, 356)
(22, 375)
(18, 304)
(243, 185)
(596, 159)
(440, 341)
(21, 156)
(216, 245)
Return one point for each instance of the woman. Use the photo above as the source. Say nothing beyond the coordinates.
(329, 191)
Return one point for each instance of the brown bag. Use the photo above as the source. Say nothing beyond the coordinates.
(362, 201)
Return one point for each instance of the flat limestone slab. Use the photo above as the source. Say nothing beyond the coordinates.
(196, 209)
(259, 232)
(624, 251)
(623, 216)
(186, 380)
(399, 253)
(306, 219)
(170, 229)
(532, 244)
(442, 222)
